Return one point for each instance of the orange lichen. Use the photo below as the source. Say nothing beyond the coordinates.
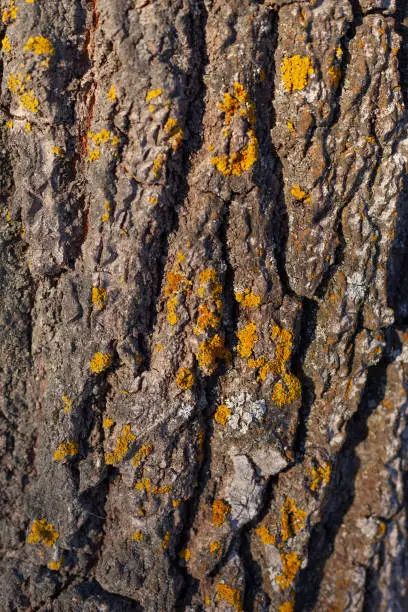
(10, 124)
(166, 540)
(282, 339)
(263, 365)
(265, 535)
(175, 503)
(143, 485)
(320, 475)
(100, 362)
(230, 595)
(295, 72)
(108, 423)
(125, 439)
(111, 95)
(222, 414)
(247, 338)
(185, 554)
(158, 165)
(99, 137)
(143, 452)
(239, 162)
(29, 101)
(184, 378)
(67, 403)
(153, 93)
(6, 45)
(54, 565)
(66, 450)
(211, 351)
(39, 45)
(94, 155)
(99, 296)
(176, 284)
(209, 284)
(287, 390)
(238, 104)
(293, 519)
(138, 536)
(287, 606)
(300, 194)
(215, 547)
(10, 14)
(171, 310)
(175, 133)
(220, 512)
(161, 490)
(56, 150)
(334, 72)
(248, 299)
(42, 533)
(206, 319)
(291, 563)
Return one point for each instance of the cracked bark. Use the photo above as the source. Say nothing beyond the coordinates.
(138, 190)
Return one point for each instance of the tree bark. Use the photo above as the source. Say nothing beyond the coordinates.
(204, 305)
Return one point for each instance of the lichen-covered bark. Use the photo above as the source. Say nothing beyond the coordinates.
(204, 305)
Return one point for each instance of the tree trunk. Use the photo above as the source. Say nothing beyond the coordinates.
(204, 301)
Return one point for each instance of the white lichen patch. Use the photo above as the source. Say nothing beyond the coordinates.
(244, 411)
(243, 492)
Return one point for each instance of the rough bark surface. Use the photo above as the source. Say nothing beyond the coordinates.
(204, 305)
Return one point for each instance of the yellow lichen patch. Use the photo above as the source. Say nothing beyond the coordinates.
(10, 14)
(290, 127)
(138, 536)
(161, 490)
(158, 165)
(66, 450)
(334, 73)
(100, 362)
(220, 512)
(247, 339)
(295, 72)
(263, 365)
(287, 390)
(153, 199)
(159, 348)
(222, 414)
(175, 503)
(287, 606)
(143, 485)
(320, 475)
(6, 45)
(171, 310)
(42, 533)
(265, 535)
(67, 403)
(299, 193)
(239, 162)
(125, 439)
(153, 93)
(175, 133)
(209, 285)
(184, 378)
(291, 563)
(185, 554)
(293, 519)
(248, 299)
(108, 423)
(99, 137)
(14, 83)
(99, 296)
(111, 95)
(166, 540)
(54, 565)
(94, 155)
(10, 124)
(29, 101)
(143, 452)
(230, 595)
(211, 351)
(39, 45)
(27, 127)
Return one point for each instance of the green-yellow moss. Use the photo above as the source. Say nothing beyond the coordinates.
(42, 533)
(125, 439)
(295, 72)
(66, 450)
